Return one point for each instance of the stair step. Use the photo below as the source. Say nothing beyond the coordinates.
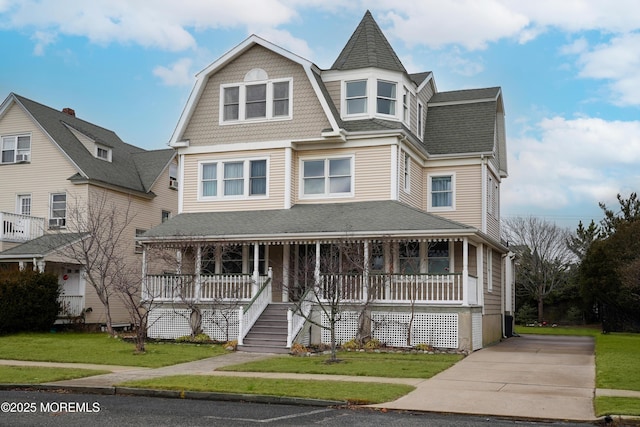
(263, 349)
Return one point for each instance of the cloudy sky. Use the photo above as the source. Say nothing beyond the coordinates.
(570, 72)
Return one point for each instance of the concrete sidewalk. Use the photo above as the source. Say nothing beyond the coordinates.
(533, 376)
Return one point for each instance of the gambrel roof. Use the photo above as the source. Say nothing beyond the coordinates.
(131, 168)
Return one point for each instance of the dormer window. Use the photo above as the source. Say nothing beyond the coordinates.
(371, 96)
(103, 153)
(15, 149)
(258, 98)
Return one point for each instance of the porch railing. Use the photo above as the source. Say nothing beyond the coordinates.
(186, 287)
(400, 288)
(20, 228)
(71, 305)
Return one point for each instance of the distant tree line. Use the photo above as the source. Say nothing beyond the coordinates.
(591, 275)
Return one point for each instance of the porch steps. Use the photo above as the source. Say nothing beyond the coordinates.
(269, 333)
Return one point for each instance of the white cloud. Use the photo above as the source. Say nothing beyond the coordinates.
(178, 74)
(164, 24)
(573, 161)
(43, 39)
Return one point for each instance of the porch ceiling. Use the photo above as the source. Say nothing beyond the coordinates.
(382, 219)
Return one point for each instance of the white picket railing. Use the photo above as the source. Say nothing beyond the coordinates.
(71, 305)
(185, 287)
(400, 288)
(20, 228)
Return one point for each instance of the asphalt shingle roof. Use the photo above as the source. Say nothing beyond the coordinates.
(41, 246)
(465, 95)
(368, 47)
(131, 167)
(335, 218)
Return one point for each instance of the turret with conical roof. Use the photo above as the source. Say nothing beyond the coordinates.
(368, 47)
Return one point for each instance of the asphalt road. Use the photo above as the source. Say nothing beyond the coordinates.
(34, 408)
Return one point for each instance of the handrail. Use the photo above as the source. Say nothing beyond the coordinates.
(264, 285)
(248, 315)
(296, 321)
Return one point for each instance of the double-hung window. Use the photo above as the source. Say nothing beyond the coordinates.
(255, 101)
(386, 100)
(323, 177)
(15, 149)
(442, 192)
(58, 211)
(356, 97)
(236, 178)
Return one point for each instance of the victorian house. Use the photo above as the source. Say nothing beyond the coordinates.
(361, 181)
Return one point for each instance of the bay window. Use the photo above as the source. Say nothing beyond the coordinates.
(386, 98)
(356, 97)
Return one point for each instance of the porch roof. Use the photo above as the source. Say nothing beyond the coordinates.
(382, 219)
(41, 247)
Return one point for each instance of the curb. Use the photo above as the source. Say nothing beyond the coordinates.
(177, 394)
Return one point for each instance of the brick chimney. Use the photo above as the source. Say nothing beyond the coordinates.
(69, 111)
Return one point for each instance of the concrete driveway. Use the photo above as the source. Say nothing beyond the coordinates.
(532, 376)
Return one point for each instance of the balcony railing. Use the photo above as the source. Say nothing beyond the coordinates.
(20, 228)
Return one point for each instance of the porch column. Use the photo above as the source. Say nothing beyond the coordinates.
(388, 268)
(21, 265)
(365, 272)
(316, 274)
(39, 266)
(465, 271)
(286, 254)
(198, 274)
(145, 290)
(256, 268)
(179, 261)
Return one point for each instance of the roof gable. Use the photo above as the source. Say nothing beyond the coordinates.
(368, 47)
(122, 171)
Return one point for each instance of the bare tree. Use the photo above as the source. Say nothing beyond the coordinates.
(104, 247)
(332, 281)
(544, 256)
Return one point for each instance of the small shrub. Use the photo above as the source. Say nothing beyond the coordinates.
(200, 339)
(526, 314)
(373, 344)
(298, 349)
(350, 345)
(423, 347)
(231, 345)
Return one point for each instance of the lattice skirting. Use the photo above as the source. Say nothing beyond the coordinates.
(436, 329)
(174, 323)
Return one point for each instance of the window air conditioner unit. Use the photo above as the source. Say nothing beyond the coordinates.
(21, 158)
(56, 222)
(173, 184)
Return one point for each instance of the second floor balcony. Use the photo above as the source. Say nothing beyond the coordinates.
(20, 228)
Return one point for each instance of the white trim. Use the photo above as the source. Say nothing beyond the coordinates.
(420, 120)
(407, 172)
(288, 177)
(483, 193)
(394, 172)
(431, 208)
(180, 180)
(327, 193)
(21, 196)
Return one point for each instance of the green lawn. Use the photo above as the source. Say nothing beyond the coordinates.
(617, 366)
(352, 392)
(393, 365)
(98, 348)
(38, 375)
